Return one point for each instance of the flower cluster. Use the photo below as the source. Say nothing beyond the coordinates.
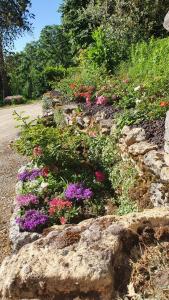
(85, 92)
(101, 100)
(100, 176)
(76, 191)
(26, 200)
(33, 220)
(37, 151)
(164, 104)
(57, 205)
(29, 174)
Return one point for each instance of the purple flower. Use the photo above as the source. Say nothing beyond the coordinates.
(25, 200)
(29, 175)
(33, 220)
(76, 191)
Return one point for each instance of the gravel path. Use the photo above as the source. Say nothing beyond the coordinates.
(9, 164)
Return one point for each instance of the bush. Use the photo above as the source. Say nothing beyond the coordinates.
(14, 100)
(147, 65)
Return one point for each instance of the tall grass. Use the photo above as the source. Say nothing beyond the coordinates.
(149, 62)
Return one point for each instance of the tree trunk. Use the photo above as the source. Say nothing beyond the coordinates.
(3, 74)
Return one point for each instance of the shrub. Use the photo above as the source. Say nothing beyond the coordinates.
(14, 100)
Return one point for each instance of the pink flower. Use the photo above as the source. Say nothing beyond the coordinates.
(126, 80)
(63, 220)
(100, 176)
(37, 151)
(101, 100)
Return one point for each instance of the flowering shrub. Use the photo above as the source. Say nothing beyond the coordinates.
(77, 192)
(32, 220)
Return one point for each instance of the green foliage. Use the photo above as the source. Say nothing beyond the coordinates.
(148, 64)
(32, 71)
(123, 176)
(54, 74)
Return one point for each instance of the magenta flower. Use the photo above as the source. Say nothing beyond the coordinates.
(29, 175)
(26, 200)
(76, 191)
(32, 221)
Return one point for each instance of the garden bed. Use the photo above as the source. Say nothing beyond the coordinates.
(154, 130)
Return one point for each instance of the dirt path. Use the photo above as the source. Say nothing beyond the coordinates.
(9, 164)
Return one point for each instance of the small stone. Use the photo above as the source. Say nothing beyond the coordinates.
(86, 120)
(158, 196)
(154, 161)
(106, 123)
(141, 148)
(69, 108)
(135, 135)
(80, 121)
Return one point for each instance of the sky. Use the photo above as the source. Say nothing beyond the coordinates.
(45, 12)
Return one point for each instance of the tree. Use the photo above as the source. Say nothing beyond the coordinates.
(14, 20)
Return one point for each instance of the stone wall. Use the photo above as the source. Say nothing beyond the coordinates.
(149, 160)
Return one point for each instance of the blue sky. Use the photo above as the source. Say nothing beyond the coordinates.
(45, 14)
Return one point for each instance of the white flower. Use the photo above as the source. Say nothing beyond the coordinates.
(19, 187)
(138, 101)
(137, 88)
(32, 184)
(22, 169)
(44, 185)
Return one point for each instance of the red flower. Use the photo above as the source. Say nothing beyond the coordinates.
(63, 220)
(45, 172)
(37, 151)
(164, 104)
(57, 204)
(100, 176)
(126, 80)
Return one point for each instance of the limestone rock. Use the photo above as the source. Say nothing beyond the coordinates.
(158, 195)
(141, 148)
(166, 136)
(76, 260)
(69, 108)
(154, 161)
(135, 135)
(165, 174)
(19, 239)
(166, 22)
(105, 126)
(100, 115)
(166, 158)
(125, 130)
(166, 146)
